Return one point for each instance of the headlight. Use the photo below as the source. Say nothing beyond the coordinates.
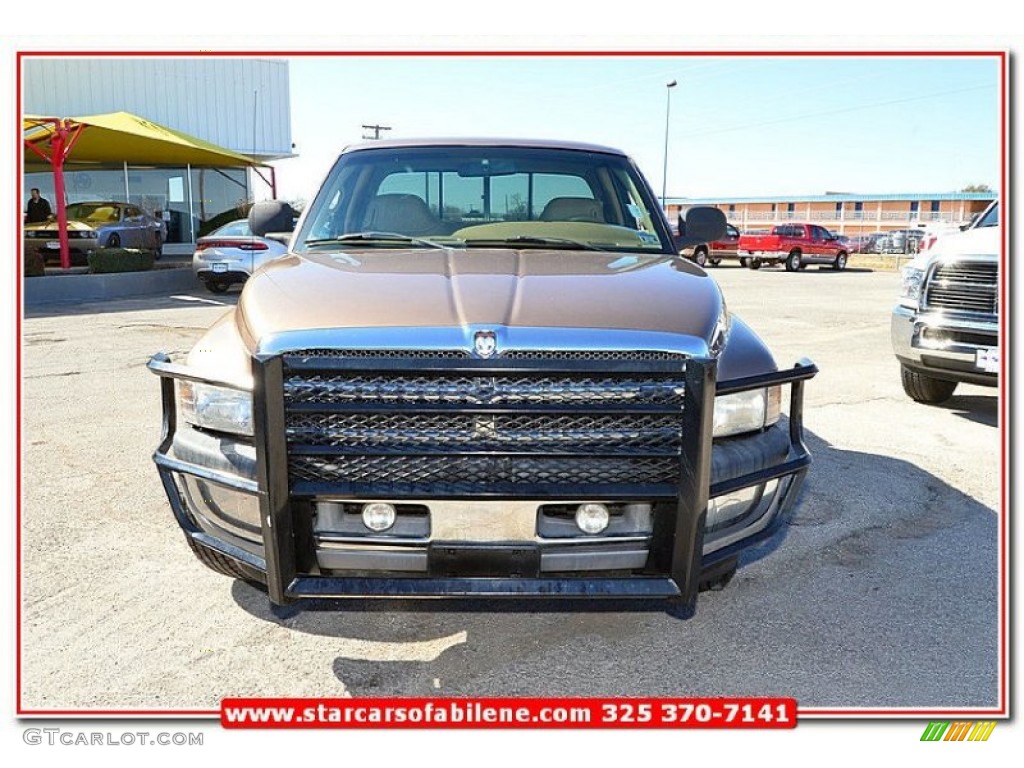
(910, 287)
(747, 411)
(219, 408)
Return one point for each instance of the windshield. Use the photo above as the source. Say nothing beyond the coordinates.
(469, 197)
(239, 228)
(990, 218)
(93, 212)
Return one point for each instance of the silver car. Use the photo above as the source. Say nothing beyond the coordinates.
(230, 254)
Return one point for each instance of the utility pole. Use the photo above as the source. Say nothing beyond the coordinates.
(374, 131)
(664, 172)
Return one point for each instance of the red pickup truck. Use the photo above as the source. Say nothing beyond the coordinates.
(795, 245)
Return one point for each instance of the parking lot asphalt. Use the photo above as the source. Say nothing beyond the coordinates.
(881, 593)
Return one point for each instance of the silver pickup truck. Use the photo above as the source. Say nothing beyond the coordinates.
(482, 369)
(945, 328)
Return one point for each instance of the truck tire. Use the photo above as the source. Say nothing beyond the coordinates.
(714, 262)
(221, 564)
(926, 389)
(744, 261)
(755, 263)
(216, 286)
(793, 262)
(700, 257)
(840, 263)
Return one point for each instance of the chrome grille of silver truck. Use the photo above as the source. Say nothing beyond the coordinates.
(963, 286)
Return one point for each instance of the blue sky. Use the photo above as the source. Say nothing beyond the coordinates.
(764, 125)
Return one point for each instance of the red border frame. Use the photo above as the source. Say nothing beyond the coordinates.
(1003, 412)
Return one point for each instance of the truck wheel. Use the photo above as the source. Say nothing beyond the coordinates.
(714, 262)
(793, 262)
(744, 261)
(925, 389)
(755, 263)
(225, 566)
(700, 257)
(216, 286)
(840, 263)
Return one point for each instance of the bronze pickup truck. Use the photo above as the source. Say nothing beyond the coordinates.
(482, 369)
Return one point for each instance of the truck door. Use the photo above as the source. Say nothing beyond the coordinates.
(820, 245)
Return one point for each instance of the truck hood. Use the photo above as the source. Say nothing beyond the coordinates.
(979, 242)
(473, 289)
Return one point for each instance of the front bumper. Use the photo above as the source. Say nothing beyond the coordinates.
(945, 347)
(78, 248)
(766, 257)
(233, 497)
(234, 274)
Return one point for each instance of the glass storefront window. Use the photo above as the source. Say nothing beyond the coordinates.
(221, 194)
(189, 206)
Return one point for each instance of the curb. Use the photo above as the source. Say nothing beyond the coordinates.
(79, 288)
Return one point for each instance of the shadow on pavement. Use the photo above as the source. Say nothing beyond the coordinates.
(977, 408)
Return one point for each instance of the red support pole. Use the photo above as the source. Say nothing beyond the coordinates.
(58, 142)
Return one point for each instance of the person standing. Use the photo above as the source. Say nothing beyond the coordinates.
(38, 208)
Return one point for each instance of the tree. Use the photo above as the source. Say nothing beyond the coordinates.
(977, 188)
(515, 207)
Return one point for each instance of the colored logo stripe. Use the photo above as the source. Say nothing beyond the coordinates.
(960, 730)
(982, 731)
(957, 731)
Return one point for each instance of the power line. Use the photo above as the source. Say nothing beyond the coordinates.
(829, 112)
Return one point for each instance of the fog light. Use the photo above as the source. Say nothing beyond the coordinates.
(592, 518)
(378, 517)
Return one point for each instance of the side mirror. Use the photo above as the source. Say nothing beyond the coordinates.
(271, 216)
(285, 238)
(703, 224)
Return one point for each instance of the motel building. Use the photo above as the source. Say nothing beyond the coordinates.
(845, 213)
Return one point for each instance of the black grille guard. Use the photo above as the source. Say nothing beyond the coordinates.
(675, 560)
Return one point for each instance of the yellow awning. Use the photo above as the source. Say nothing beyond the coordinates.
(119, 137)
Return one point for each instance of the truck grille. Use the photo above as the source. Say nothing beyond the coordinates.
(963, 286)
(382, 426)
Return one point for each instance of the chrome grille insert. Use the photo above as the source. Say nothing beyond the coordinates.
(963, 286)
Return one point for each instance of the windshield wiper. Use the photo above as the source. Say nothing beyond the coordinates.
(561, 242)
(369, 237)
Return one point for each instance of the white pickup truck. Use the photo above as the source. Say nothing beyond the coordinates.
(945, 328)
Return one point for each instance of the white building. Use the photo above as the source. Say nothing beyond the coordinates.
(240, 104)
